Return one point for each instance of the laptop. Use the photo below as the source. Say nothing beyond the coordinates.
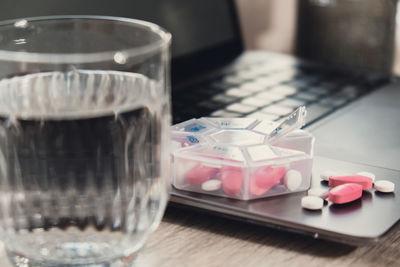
(353, 115)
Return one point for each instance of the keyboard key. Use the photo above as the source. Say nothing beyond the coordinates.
(263, 116)
(309, 78)
(269, 95)
(318, 90)
(246, 74)
(350, 91)
(284, 90)
(233, 79)
(266, 82)
(309, 96)
(291, 102)
(299, 83)
(252, 86)
(221, 85)
(278, 110)
(328, 85)
(316, 111)
(223, 98)
(224, 114)
(332, 101)
(238, 93)
(211, 105)
(240, 108)
(256, 102)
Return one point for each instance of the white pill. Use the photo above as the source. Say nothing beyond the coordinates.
(293, 180)
(326, 174)
(211, 185)
(367, 174)
(312, 202)
(318, 192)
(384, 186)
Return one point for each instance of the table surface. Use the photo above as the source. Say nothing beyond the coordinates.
(191, 238)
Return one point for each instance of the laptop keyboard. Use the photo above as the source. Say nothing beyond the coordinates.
(262, 91)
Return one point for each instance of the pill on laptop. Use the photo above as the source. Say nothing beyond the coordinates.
(318, 192)
(211, 185)
(200, 173)
(293, 180)
(328, 173)
(384, 186)
(367, 174)
(312, 202)
(232, 179)
(267, 176)
(345, 193)
(364, 181)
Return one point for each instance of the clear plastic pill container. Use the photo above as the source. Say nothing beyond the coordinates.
(236, 158)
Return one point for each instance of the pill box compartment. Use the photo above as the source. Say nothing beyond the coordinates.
(232, 158)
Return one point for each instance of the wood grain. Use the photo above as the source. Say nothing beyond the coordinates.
(189, 238)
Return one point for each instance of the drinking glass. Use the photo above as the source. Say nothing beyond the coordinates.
(84, 119)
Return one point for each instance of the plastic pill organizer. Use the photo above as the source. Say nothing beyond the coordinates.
(242, 158)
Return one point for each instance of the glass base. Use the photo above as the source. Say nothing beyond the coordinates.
(22, 261)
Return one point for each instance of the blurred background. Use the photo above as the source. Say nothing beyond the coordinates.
(353, 33)
(357, 33)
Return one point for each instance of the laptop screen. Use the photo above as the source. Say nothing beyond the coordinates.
(205, 33)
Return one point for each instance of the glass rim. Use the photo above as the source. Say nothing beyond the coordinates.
(91, 57)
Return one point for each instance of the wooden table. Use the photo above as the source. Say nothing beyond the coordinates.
(190, 238)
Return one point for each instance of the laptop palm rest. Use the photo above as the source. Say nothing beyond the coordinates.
(367, 131)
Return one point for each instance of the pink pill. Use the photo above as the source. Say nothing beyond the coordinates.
(345, 193)
(364, 181)
(267, 177)
(232, 179)
(200, 173)
(255, 190)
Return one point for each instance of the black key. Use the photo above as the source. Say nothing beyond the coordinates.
(315, 112)
(350, 92)
(210, 105)
(328, 85)
(318, 90)
(332, 101)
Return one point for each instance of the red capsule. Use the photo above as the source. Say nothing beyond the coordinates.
(200, 173)
(345, 193)
(364, 181)
(267, 177)
(232, 179)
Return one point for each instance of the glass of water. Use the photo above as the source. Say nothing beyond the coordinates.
(84, 119)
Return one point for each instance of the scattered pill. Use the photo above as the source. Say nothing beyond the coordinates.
(345, 193)
(232, 179)
(312, 202)
(200, 173)
(364, 181)
(211, 185)
(367, 174)
(267, 177)
(318, 192)
(384, 186)
(328, 173)
(293, 180)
